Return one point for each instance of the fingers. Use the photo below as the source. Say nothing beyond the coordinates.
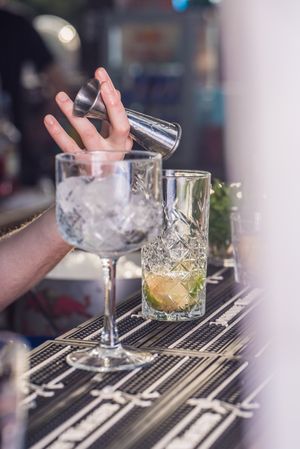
(105, 129)
(87, 131)
(120, 126)
(102, 75)
(116, 133)
(59, 135)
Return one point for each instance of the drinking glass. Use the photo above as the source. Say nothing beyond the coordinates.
(13, 364)
(109, 203)
(246, 232)
(174, 265)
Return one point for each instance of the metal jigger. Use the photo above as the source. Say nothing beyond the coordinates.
(151, 133)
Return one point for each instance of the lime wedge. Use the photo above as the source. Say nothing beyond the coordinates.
(196, 285)
(172, 292)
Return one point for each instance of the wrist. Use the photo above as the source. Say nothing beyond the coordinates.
(50, 233)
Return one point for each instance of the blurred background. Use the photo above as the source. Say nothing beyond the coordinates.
(165, 58)
(163, 55)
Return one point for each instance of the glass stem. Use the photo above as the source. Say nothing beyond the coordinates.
(109, 335)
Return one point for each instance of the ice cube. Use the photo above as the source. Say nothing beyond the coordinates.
(102, 214)
(139, 218)
(67, 193)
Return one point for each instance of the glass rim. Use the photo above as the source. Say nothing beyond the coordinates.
(142, 155)
(178, 173)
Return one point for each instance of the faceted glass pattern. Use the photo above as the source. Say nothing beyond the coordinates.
(174, 265)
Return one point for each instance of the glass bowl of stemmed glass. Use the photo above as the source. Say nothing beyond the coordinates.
(109, 203)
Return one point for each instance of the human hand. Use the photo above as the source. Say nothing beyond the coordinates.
(115, 135)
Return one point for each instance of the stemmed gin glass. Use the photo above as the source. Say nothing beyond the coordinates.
(109, 203)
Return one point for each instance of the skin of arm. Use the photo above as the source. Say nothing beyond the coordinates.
(29, 253)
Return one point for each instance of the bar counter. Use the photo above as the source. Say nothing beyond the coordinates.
(200, 391)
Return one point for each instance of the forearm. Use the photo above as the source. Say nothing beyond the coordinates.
(27, 255)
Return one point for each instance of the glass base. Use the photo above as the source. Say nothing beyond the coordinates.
(104, 360)
(149, 313)
(173, 316)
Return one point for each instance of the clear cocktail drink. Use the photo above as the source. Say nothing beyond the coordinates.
(174, 264)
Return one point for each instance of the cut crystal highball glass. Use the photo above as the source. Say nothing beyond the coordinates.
(174, 265)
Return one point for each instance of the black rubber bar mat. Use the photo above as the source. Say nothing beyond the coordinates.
(194, 394)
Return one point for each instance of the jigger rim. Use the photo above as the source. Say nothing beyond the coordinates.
(178, 138)
(79, 107)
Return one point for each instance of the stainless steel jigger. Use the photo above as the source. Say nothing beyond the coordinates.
(151, 133)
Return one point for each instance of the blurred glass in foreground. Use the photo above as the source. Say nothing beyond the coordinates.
(247, 244)
(261, 47)
(13, 364)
